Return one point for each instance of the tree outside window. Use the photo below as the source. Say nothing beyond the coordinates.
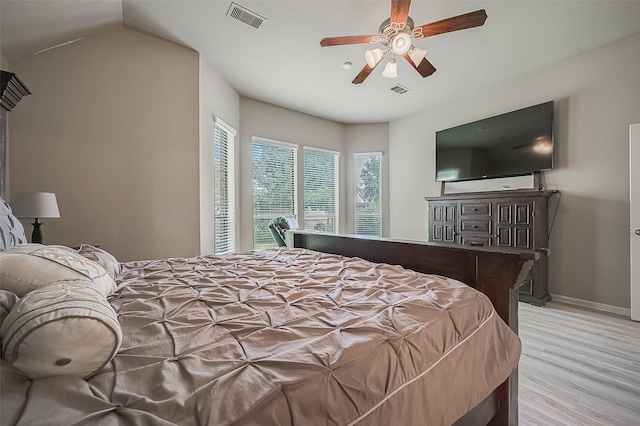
(368, 194)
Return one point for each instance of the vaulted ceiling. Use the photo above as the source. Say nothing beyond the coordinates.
(282, 62)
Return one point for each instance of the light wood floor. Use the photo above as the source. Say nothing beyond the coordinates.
(578, 367)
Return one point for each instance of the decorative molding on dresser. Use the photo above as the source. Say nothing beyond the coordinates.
(504, 219)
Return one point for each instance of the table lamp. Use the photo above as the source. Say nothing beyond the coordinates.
(35, 205)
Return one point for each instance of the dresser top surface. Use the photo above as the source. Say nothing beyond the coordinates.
(492, 195)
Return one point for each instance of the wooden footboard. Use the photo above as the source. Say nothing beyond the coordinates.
(497, 272)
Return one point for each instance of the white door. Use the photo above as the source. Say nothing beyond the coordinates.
(634, 183)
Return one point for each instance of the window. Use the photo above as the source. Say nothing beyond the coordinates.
(274, 187)
(224, 228)
(320, 190)
(368, 193)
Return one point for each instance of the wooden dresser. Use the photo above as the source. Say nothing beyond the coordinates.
(503, 219)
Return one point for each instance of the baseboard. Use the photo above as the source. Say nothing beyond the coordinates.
(625, 312)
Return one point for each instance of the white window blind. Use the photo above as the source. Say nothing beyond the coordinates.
(320, 190)
(274, 187)
(224, 228)
(368, 193)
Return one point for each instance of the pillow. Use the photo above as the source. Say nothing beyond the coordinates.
(61, 328)
(7, 300)
(25, 248)
(11, 230)
(102, 258)
(27, 267)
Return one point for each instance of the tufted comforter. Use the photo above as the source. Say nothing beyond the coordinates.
(281, 337)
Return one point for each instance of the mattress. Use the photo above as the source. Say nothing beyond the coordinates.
(281, 337)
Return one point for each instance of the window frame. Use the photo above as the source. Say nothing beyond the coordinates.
(336, 212)
(294, 147)
(357, 185)
(227, 243)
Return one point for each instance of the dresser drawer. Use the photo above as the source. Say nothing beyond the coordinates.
(468, 225)
(473, 240)
(441, 212)
(508, 236)
(442, 233)
(475, 209)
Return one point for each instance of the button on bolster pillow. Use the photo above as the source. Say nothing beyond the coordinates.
(61, 328)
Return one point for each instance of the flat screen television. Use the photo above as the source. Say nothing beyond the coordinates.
(516, 143)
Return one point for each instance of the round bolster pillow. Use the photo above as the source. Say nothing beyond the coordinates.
(61, 328)
(27, 267)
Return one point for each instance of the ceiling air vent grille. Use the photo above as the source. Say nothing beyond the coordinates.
(245, 15)
(399, 89)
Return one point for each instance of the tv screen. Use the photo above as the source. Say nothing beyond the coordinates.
(512, 144)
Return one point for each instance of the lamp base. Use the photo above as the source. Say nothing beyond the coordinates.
(36, 235)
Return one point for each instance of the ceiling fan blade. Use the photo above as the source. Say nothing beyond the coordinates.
(363, 74)
(399, 12)
(455, 23)
(338, 41)
(425, 68)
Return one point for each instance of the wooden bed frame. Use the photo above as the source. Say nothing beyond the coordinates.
(497, 272)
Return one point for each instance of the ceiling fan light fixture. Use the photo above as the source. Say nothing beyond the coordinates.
(373, 56)
(401, 43)
(417, 55)
(391, 69)
(395, 34)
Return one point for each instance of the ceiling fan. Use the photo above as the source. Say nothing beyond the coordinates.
(395, 35)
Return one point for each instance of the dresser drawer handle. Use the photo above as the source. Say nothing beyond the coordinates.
(475, 210)
(474, 226)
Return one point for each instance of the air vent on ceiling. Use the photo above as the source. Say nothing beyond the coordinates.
(245, 15)
(399, 89)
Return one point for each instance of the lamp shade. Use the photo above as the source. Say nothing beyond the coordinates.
(35, 205)
(391, 70)
(374, 56)
(401, 43)
(417, 55)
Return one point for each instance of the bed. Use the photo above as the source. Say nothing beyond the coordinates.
(323, 331)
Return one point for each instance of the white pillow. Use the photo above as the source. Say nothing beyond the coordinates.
(102, 258)
(7, 300)
(61, 328)
(29, 266)
(11, 230)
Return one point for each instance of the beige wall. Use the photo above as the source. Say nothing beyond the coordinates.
(217, 100)
(4, 64)
(596, 96)
(112, 129)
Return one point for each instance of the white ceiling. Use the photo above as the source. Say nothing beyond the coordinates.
(282, 63)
